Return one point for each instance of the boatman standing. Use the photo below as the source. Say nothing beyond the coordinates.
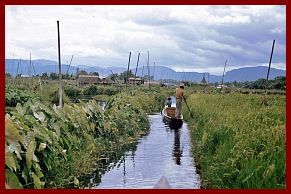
(179, 95)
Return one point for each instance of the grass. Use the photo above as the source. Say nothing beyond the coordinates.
(239, 141)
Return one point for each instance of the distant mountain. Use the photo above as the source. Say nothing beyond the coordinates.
(41, 66)
(253, 73)
(160, 72)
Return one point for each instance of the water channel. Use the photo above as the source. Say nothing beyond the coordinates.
(163, 152)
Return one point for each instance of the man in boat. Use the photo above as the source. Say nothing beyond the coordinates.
(179, 95)
(169, 102)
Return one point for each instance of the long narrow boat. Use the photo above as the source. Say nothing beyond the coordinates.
(168, 114)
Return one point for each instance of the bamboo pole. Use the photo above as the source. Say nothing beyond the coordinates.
(17, 70)
(40, 86)
(12, 64)
(270, 61)
(60, 68)
(128, 67)
(126, 80)
(223, 75)
(154, 71)
(142, 71)
(70, 64)
(149, 69)
(30, 71)
(136, 67)
(12, 69)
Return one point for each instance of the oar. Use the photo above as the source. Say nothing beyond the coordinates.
(188, 107)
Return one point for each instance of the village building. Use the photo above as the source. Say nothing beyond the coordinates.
(152, 82)
(24, 76)
(221, 86)
(88, 79)
(135, 80)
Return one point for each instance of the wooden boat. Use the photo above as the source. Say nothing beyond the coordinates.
(168, 114)
(163, 183)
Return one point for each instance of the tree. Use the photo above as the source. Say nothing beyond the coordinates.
(94, 73)
(187, 83)
(113, 77)
(279, 83)
(53, 76)
(203, 81)
(81, 72)
(280, 79)
(44, 76)
(124, 74)
(66, 76)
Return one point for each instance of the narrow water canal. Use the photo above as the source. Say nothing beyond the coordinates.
(163, 152)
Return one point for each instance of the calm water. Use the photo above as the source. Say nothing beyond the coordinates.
(163, 152)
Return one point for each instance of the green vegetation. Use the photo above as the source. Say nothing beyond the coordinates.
(239, 141)
(238, 134)
(72, 92)
(50, 147)
(98, 90)
(14, 96)
(278, 83)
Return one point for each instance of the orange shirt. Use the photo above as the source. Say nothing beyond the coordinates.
(179, 92)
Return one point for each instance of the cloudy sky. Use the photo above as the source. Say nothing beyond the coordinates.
(184, 38)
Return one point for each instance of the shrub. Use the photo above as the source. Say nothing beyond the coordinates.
(14, 96)
(72, 92)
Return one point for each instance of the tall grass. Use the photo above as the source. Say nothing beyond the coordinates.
(238, 141)
(50, 147)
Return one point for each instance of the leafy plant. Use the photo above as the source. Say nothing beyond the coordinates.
(73, 93)
(51, 147)
(14, 96)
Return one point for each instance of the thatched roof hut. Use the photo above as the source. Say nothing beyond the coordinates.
(88, 79)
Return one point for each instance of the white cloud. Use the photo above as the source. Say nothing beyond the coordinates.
(277, 30)
(192, 37)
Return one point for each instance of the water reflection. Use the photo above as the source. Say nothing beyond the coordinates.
(177, 151)
(163, 152)
(113, 159)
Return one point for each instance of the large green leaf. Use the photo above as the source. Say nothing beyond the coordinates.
(30, 153)
(45, 108)
(37, 169)
(25, 174)
(57, 127)
(15, 148)
(20, 109)
(12, 136)
(40, 116)
(37, 183)
(28, 138)
(11, 131)
(11, 180)
(10, 161)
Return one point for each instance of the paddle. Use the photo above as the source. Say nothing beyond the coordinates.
(188, 106)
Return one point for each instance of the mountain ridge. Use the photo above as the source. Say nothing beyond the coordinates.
(40, 66)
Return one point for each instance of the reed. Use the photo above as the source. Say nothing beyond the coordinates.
(238, 142)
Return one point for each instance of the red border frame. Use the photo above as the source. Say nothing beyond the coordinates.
(143, 2)
(123, 2)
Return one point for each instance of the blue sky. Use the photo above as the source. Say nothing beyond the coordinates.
(185, 38)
